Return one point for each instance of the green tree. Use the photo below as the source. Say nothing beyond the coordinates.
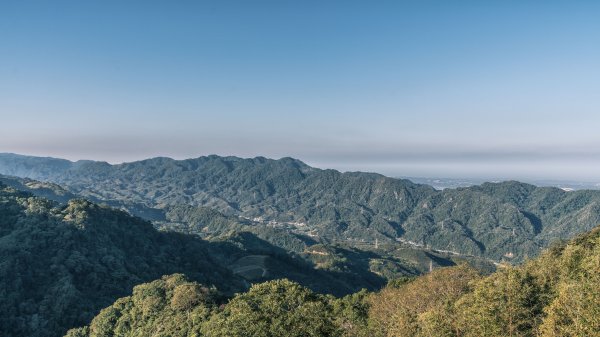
(421, 306)
(171, 306)
(576, 309)
(504, 304)
(278, 308)
(352, 314)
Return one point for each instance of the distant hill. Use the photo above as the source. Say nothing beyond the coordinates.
(443, 183)
(46, 190)
(508, 220)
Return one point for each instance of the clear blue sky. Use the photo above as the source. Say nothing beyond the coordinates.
(507, 89)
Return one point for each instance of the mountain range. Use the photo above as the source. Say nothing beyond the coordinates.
(497, 221)
(76, 236)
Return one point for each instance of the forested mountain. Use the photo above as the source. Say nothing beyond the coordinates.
(386, 260)
(63, 260)
(61, 263)
(555, 295)
(509, 220)
(46, 190)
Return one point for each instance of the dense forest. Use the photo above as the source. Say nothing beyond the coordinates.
(509, 220)
(551, 296)
(352, 265)
(61, 263)
(255, 247)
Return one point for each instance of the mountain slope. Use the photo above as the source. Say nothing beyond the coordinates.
(554, 295)
(507, 220)
(60, 264)
(46, 190)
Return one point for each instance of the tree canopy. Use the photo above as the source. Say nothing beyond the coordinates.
(554, 295)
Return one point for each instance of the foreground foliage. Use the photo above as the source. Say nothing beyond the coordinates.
(557, 294)
(173, 306)
(553, 296)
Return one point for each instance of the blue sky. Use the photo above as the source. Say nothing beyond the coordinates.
(494, 89)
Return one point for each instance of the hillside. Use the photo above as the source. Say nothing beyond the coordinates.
(509, 220)
(551, 296)
(555, 295)
(62, 262)
(345, 267)
(376, 264)
(41, 189)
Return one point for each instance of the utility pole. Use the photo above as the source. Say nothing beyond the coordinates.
(376, 243)
(430, 266)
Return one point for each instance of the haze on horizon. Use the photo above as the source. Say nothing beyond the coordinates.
(504, 90)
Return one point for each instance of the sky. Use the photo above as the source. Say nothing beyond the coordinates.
(481, 89)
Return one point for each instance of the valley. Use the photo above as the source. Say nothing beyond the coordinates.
(256, 220)
(507, 221)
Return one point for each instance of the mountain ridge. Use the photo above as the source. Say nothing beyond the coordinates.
(62, 262)
(508, 220)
